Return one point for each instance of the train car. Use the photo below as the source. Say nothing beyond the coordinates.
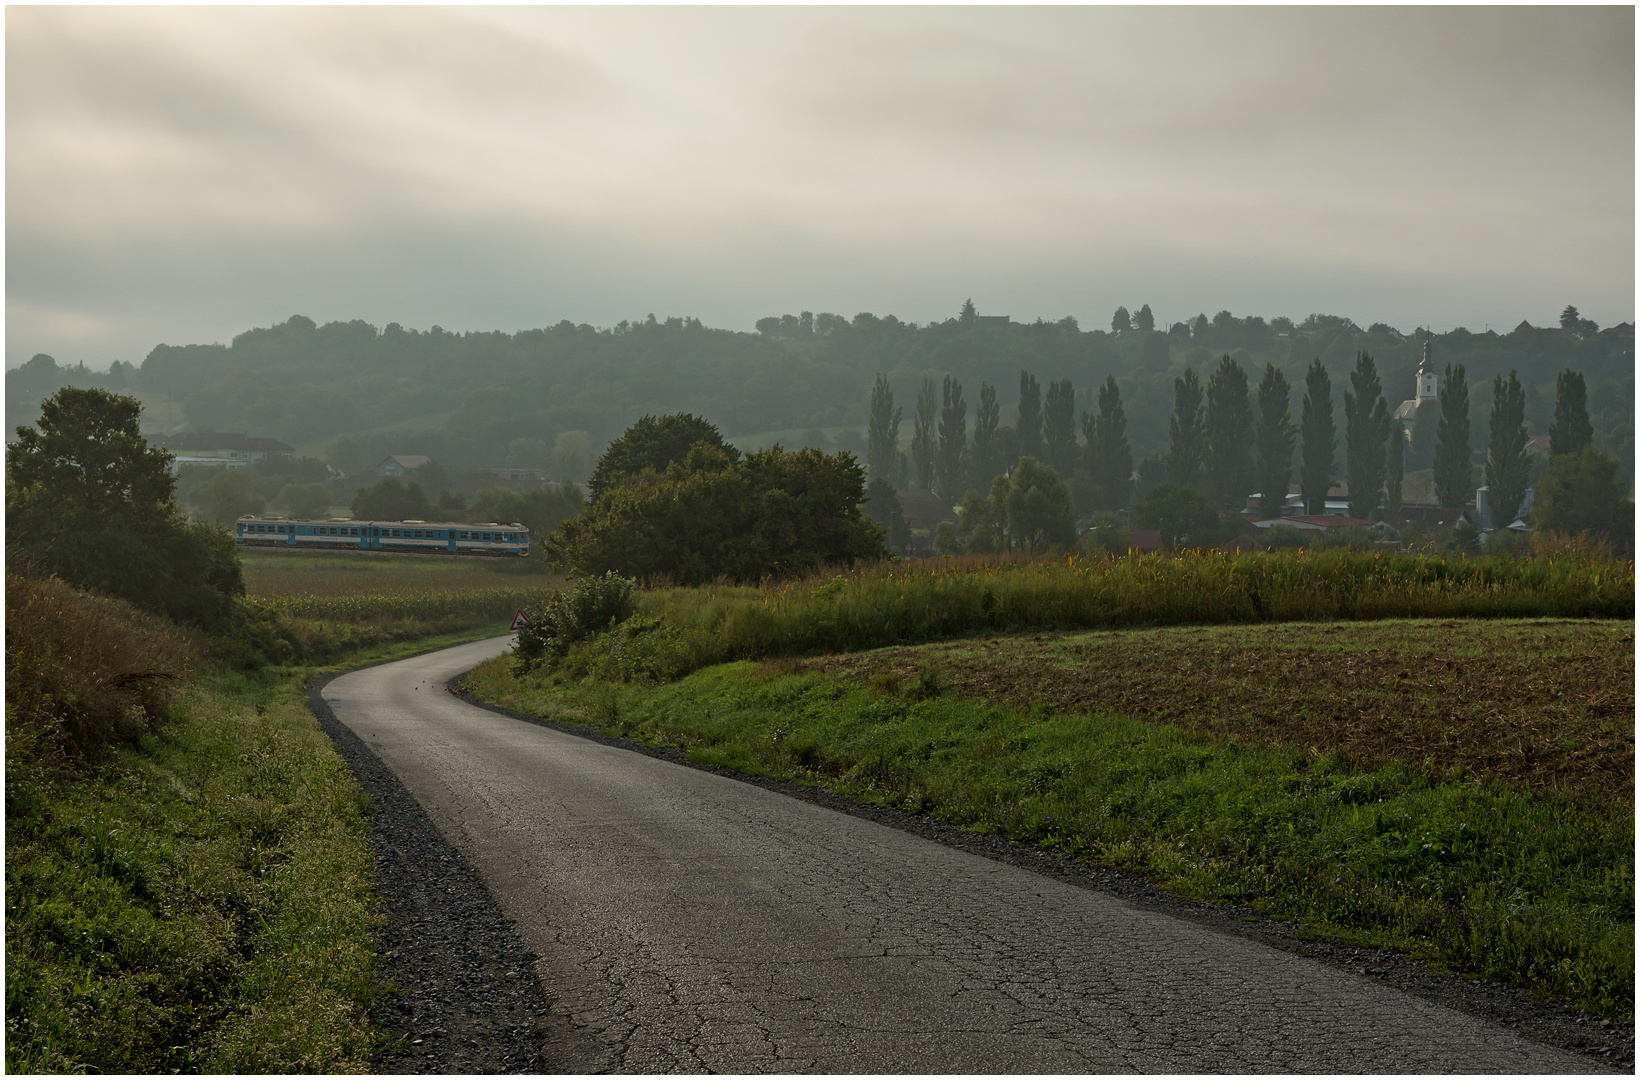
(346, 534)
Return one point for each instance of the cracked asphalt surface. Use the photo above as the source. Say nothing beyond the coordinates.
(684, 921)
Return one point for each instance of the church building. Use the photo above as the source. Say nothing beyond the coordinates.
(1429, 389)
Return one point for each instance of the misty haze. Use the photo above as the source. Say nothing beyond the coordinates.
(844, 540)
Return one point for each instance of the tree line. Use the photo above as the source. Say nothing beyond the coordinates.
(353, 392)
(1227, 441)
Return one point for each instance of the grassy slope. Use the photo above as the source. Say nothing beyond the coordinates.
(1499, 871)
(199, 900)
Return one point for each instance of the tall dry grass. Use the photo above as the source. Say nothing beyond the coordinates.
(908, 603)
(83, 671)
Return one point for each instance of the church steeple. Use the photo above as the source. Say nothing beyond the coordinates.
(1429, 380)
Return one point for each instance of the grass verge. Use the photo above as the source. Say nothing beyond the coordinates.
(199, 901)
(1478, 873)
(188, 874)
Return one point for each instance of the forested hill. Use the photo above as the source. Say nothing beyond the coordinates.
(360, 393)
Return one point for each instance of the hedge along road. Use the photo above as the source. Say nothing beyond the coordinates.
(686, 921)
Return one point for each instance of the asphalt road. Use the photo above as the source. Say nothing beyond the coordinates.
(690, 922)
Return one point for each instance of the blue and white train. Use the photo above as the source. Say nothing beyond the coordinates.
(448, 537)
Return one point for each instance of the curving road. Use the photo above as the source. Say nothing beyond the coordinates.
(689, 922)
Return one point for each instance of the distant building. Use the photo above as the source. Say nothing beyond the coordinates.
(400, 464)
(221, 450)
(1315, 522)
(992, 320)
(1428, 389)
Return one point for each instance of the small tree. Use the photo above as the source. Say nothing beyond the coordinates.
(231, 495)
(1121, 322)
(1319, 439)
(1453, 472)
(1275, 442)
(1187, 445)
(969, 314)
(883, 507)
(1571, 431)
(390, 500)
(1144, 321)
(1507, 469)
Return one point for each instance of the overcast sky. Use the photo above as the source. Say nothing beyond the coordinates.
(179, 175)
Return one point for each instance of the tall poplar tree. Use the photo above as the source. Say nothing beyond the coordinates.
(953, 440)
(1571, 431)
(1275, 442)
(1113, 457)
(1319, 439)
(1028, 427)
(1366, 436)
(986, 460)
(1229, 429)
(1507, 469)
(883, 434)
(1059, 427)
(923, 448)
(1453, 474)
(1187, 439)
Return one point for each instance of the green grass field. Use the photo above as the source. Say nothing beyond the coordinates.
(1459, 790)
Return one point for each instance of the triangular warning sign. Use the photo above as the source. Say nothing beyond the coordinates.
(519, 622)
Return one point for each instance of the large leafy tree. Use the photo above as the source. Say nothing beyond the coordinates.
(1507, 470)
(1366, 436)
(1187, 445)
(1229, 429)
(88, 500)
(1583, 493)
(986, 461)
(924, 448)
(1028, 426)
(1143, 320)
(392, 500)
(654, 443)
(1121, 322)
(541, 511)
(1319, 439)
(1453, 472)
(883, 434)
(1181, 513)
(1570, 431)
(1275, 442)
(1059, 427)
(1027, 512)
(953, 441)
(776, 513)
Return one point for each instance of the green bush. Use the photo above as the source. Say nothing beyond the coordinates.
(572, 615)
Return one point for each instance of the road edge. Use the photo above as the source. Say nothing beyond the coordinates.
(466, 996)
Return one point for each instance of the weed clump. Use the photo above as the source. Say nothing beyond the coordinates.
(569, 616)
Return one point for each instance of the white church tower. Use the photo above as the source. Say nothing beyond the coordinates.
(1429, 380)
(1429, 389)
